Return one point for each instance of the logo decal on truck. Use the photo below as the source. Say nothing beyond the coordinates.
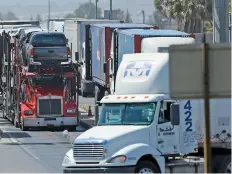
(138, 69)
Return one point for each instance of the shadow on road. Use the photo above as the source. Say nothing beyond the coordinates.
(17, 134)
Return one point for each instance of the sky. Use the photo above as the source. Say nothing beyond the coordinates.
(25, 8)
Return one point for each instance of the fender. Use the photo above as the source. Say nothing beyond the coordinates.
(135, 152)
(26, 107)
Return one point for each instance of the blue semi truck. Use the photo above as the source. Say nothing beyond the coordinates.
(98, 48)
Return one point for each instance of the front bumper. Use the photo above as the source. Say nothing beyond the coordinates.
(54, 121)
(124, 169)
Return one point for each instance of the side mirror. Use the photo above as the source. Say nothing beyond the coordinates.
(175, 114)
(104, 67)
(77, 56)
(66, 40)
(96, 113)
(111, 75)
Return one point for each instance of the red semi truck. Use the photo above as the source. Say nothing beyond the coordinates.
(46, 97)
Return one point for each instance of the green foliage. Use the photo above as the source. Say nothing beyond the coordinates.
(229, 6)
(10, 16)
(1, 16)
(120, 15)
(69, 15)
(87, 10)
(128, 18)
(38, 18)
(188, 12)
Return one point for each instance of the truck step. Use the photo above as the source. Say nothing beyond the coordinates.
(186, 165)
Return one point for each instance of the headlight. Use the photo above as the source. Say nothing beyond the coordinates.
(28, 112)
(71, 111)
(117, 159)
(66, 160)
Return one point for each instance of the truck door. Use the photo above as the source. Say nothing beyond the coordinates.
(167, 134)
(113, 61)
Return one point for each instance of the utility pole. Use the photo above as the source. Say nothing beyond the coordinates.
(49, 17)
(220, 21)
(96, 8)
(111, 9)
(143, 13)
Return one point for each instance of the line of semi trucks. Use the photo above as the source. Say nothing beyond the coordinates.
(82, 59)
(125, 66)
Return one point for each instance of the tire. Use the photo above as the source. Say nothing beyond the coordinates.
(16, 123)
(72, 128)
(4, 114)
(23, 128)
(146, 166)
(96, 94)
(84, 94)
(107, 93)
(224, 165)
(3, 110)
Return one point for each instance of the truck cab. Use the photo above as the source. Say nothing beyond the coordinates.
(141, 128)
(48, 100)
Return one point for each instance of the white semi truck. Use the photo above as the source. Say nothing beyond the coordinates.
(142, 130)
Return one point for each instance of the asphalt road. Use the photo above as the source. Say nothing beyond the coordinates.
(32, 151)
(86, 100)
(35, 151)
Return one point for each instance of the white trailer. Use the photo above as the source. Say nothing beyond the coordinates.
(141, 129)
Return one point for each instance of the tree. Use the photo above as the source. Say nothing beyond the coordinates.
(69, 15)
(229, 6)
(120, 15)
(158, 19)
(87, 10)
(10, 16)
(38, 18)
(128, 18)
(1, 16)
(191, 13)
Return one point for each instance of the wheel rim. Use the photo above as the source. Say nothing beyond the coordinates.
(146, 170)
(228, 169)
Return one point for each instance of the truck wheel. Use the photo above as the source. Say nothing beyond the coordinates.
(224, 164)
(16, 123)
(84, 94)
(3, 110)
(4, 114)
(107, 93)
(146, 167)
(97, 94)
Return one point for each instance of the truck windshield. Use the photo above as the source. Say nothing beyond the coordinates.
(47, 81)
(44, 40)
(127, 114)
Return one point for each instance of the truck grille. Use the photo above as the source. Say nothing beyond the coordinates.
(88, 151)
(49, 107)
